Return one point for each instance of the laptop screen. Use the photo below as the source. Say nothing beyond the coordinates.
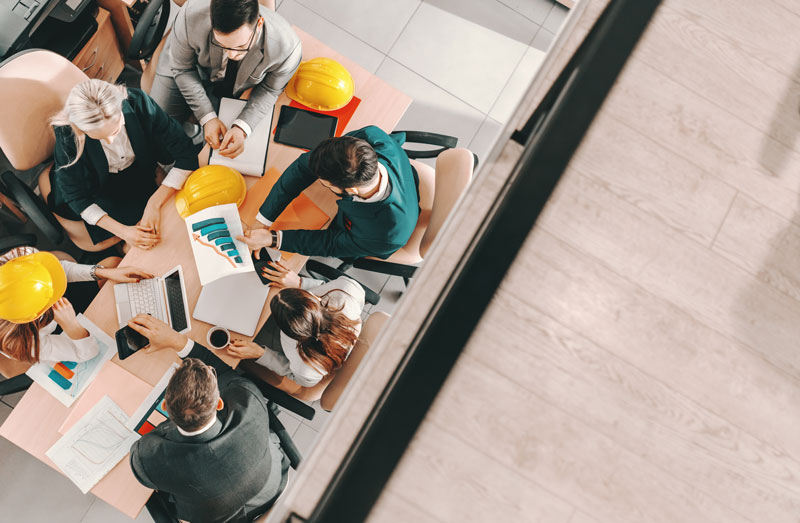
(177, 312)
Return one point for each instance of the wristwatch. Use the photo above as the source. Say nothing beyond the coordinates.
(93, 271)
(274, 243)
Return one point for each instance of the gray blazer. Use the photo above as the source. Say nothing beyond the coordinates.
(191, 59)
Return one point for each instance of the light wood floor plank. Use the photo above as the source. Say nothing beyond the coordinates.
(587, 215)
(715, 67)
(705, 135)
(661, 339)
(564, 454)
(651, 177)
(762, 28)
(638, 412)
(443, 474)
(764, 243)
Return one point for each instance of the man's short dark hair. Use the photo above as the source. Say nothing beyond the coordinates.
(191, 397)
(229, 15)
(344, 162)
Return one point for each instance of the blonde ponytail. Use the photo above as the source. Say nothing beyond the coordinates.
(89, 106)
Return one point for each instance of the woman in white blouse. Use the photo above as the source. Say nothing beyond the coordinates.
(109, 140)
(311, 329)
(35, 340)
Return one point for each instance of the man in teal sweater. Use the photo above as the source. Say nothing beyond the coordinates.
(378, 198)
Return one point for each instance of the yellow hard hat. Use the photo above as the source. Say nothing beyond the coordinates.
(321, 83)
(29, 285)
(208, 186)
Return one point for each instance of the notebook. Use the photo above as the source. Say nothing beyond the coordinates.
(253, 159)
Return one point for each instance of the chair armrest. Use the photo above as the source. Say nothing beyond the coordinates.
(145, 39)
(442, 140)
(17, 240)
(330, 273)
(34, 207)
(287, 444)
(384, 267)
(282, 398)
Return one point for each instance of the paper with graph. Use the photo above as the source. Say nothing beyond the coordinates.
(66, 380)
(94, 445)
(150, 413)
(217, 252)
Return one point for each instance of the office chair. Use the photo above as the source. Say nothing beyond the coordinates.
(13, 370)
(331, 386)
(439, 190)
(36, 84)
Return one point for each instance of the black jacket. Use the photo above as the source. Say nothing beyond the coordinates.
(154, 137)
(225, 473)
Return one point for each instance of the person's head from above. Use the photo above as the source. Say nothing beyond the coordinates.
(30, 283)
(235, 25)
(192, 395)
(93, 109)
(324, 335)
(345, 165)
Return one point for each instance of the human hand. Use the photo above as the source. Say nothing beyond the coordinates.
(161, 335)
(256, 239)
(281, 276)
(233, 143)
(140, 236)
(214, 131)
(151, 217)
(123, 274)
(64, 315)
(244, 350)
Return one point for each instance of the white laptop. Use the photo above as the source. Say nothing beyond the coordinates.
(163, 297)
(234, 302)
(253, 159)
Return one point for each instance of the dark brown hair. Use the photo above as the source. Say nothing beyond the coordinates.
(21, 340)
(344, 162)
(192, 395)
(229, 15)
(324, 336)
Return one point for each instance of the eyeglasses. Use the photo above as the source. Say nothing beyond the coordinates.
(238, 49)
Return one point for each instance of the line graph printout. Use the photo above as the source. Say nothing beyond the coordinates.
(94, 445)
(217, 252)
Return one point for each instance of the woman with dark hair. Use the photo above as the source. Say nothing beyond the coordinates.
(312, 327)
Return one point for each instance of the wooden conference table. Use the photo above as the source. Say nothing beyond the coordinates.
(33, 424)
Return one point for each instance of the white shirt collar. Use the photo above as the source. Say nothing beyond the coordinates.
(383, 187)
(200, 430)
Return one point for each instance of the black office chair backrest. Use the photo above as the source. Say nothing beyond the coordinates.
(34, 208)
(149, 30)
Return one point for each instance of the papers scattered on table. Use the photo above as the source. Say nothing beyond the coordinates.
(94, 445)
(66, 380)
(252, 160)
(217, 252)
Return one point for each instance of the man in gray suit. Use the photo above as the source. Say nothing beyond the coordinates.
(215, 459)
(225, 47)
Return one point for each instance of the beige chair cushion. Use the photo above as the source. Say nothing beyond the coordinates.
(33, 86)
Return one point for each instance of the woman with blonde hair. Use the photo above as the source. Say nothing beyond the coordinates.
(33, 305)
(109, 140)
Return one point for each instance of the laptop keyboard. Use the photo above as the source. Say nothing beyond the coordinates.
(142, 296)
(175, 305)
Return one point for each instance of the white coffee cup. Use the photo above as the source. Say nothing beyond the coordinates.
(220, 335)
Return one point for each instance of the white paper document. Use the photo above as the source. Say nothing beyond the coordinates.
(66, 380)
(94, 445)
(253, 159)
(217, 252)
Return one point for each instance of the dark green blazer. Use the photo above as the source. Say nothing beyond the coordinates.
(154, 137)
(358, 229)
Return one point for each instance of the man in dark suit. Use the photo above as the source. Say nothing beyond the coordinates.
(215, 460)
(378, 198)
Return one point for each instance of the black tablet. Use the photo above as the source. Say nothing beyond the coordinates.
(303, 129)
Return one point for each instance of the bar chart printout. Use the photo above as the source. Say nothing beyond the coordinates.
(217, 252)
(94, 445)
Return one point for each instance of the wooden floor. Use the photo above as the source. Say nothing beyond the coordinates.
(641, 362)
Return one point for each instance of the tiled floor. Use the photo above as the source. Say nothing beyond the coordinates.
(465, 63)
